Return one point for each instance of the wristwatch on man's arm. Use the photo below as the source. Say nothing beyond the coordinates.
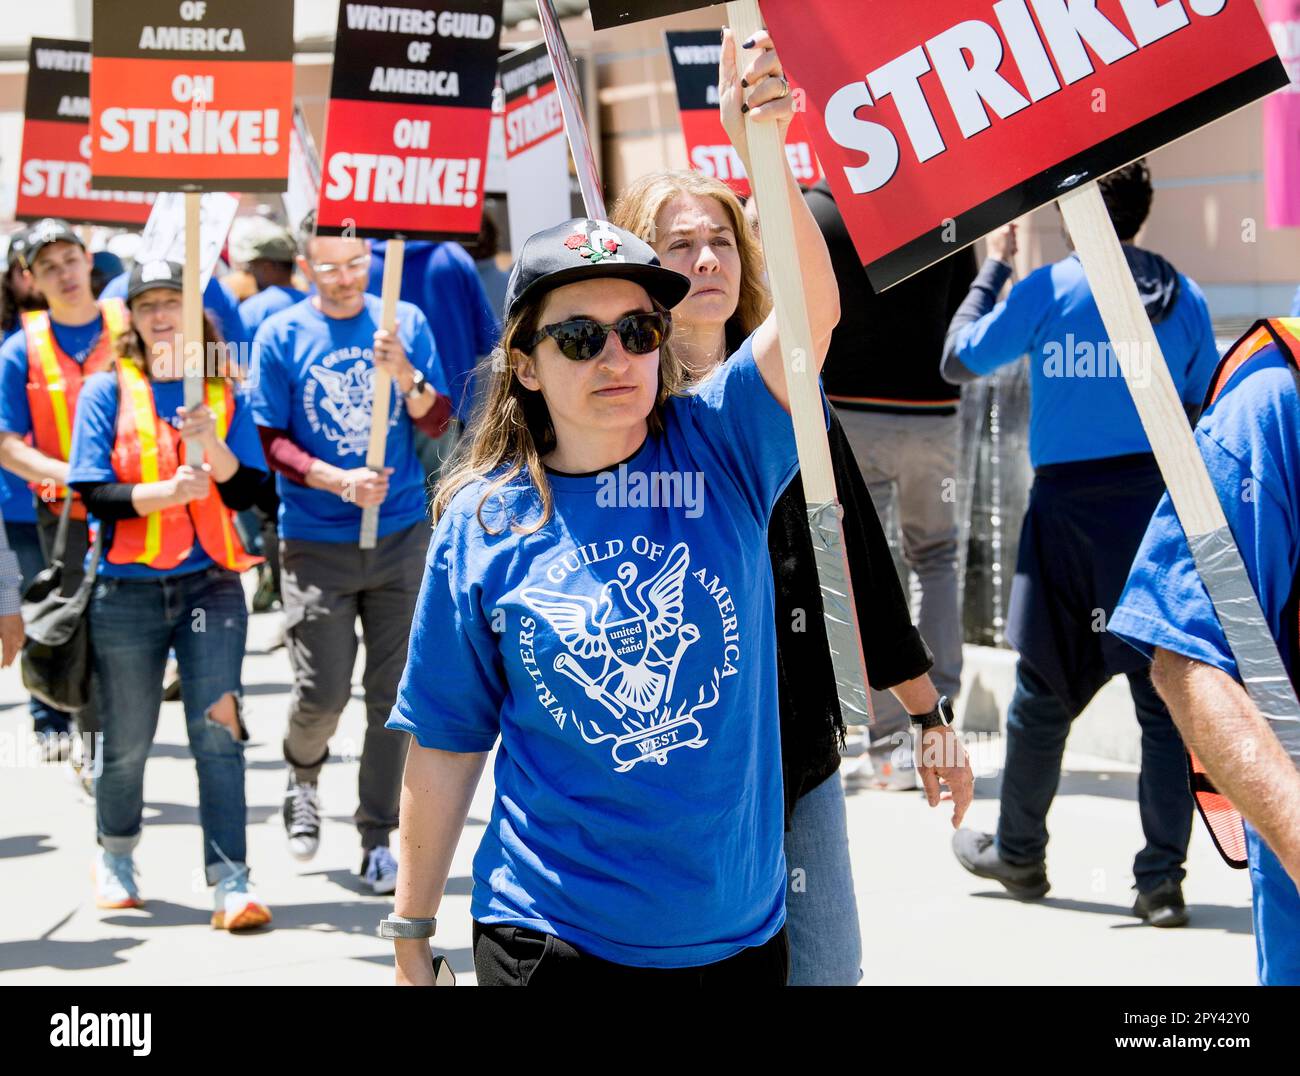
(941, 715)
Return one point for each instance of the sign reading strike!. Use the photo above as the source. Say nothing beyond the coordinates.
(54, 176)
(532, 103)
(952, 117)
(694, 55)
(191, 95)
(407, 131)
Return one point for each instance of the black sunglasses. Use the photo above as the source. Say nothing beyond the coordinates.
(581, 339)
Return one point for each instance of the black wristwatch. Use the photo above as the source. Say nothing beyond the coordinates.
(418, 383)
(941, 715)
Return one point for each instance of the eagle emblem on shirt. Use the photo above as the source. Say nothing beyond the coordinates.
(624, 648)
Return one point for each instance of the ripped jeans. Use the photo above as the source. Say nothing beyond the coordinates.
(133, 624)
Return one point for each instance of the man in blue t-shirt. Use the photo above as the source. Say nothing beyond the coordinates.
(443, 282)
(1249, 439)
(1095, 486)
(35, 421)
(313, 372)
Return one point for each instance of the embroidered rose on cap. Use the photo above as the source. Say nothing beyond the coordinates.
(587, 247)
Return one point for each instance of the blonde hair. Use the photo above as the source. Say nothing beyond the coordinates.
(641, 203)
(511, 429)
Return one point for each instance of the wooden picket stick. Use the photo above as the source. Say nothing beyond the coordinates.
(192, 321)
(768, 170)
(394, 253)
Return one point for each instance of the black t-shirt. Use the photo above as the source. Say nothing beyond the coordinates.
(811, 723)
(885, 353)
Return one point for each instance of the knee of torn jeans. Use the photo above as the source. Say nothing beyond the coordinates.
(226, 712)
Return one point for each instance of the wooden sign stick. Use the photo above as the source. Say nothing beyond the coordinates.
(394, 253)
(768, 169)
(194, 346)
(1174, 445)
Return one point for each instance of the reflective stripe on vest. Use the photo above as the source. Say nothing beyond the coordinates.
(54, 378)
(1221, 818)
(148, 450)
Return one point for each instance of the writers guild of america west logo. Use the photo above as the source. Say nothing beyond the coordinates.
(338, 397)
(624, 648)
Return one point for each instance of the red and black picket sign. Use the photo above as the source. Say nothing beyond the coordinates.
(54, 173)
(694, 55)
(191, 95)
(607, 13)
(406, 135)
(532, 101)
(950, 118)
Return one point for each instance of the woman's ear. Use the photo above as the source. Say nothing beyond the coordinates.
(525, 369)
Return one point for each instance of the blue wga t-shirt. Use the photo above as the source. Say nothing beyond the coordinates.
(625, 655)
(1250, 439)
(95, 431)
(257, 308)
(313, 376)
(15, 494)
(1080, 407)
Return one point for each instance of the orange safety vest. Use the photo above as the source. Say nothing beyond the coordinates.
(54, 381)
(148, 450)
(1221, 818)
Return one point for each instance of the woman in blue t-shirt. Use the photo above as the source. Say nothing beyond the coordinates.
(598, 597)
(168, 580)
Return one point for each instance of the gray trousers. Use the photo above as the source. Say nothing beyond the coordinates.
(910, 465)
(326, 586)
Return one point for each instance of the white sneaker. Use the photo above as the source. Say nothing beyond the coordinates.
(236, 906)
(115, 885)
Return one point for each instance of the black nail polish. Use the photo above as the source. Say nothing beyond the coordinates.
(744, 83)
(748, 44)
(744, 108)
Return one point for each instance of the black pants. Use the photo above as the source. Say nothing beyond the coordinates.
(516, 956)
(74, 571)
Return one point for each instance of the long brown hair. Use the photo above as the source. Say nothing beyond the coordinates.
(639, 207)
(511, 429)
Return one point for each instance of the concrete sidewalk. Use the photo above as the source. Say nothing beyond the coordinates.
(924, 920)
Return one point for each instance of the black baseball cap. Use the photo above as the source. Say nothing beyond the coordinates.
(154, 274)
(17, 244)
(586, 249)
(44, 232)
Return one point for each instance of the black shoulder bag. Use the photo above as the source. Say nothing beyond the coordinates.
(56, 656)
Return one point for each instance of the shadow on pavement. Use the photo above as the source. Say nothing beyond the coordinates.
(458, 886)
(32, 844)
(1115, 785)
(65, 955)
(162, 813)
(461, 960)
(1224, 917)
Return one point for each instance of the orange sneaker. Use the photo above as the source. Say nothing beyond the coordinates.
(115, 885)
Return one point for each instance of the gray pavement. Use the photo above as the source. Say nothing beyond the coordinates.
(924, 920)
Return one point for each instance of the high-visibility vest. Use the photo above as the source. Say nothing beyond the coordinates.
(54, 381)
(1221, 818)
(147, 449)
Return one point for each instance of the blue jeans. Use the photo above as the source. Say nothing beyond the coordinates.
(821, 910)
(26, 544)
(133, 624)
(1037, 727)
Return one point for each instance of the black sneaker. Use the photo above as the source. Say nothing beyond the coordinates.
(1162, 906)
(302, 818)
(978, 853)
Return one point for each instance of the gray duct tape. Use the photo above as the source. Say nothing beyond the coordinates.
(840, 613)
(1258, 661)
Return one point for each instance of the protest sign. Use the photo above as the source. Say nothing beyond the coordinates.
(537, 154)
(304, 173)
(163, 238)
(54, 173)
(1282, 119)
(191, 95)
(407, 129)
(694, 57)
(953, 117)
(607, 13)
